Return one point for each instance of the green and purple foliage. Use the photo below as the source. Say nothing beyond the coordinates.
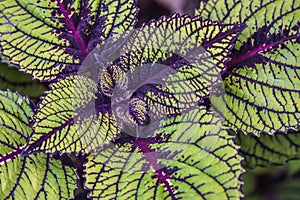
(175, 109)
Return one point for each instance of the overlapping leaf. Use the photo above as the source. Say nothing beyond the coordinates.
(195, 47)
(34, 176)
(11, 78)
(265, 150)
(263, 83)
(50, 38)
(67, 121)
(190, 157)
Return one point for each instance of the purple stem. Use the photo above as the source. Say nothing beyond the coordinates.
(251, 53)
(71, 26)
(152, 158)
(10, 156)
(103, 105)
(78, 39)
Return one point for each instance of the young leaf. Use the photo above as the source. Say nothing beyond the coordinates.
(265, 150)
(11, 78)
(189, 157)
(66, 120)
(34, 176)
(48, 39)
(262, 83)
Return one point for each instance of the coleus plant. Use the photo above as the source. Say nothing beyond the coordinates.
(154, 110)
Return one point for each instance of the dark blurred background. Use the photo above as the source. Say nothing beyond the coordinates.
(153, 9)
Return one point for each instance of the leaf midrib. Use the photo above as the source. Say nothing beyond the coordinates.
(152, 158)
(10, 155)
(72, 28)
(254, 52)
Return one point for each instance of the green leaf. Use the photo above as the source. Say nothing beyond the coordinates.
(49, 39)
(196, 48)
(268, 150)
(193, 158)
(262, 83)
(12, 79)
(66, 120)
(27, 177)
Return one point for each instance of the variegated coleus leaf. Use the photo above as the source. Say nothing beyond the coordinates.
(35, 176)
(196, 48)
(12, 79)
(49, 39)
(263, 79)
(267, 150)
(66, 120)
(79, 115)
(189, 157)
